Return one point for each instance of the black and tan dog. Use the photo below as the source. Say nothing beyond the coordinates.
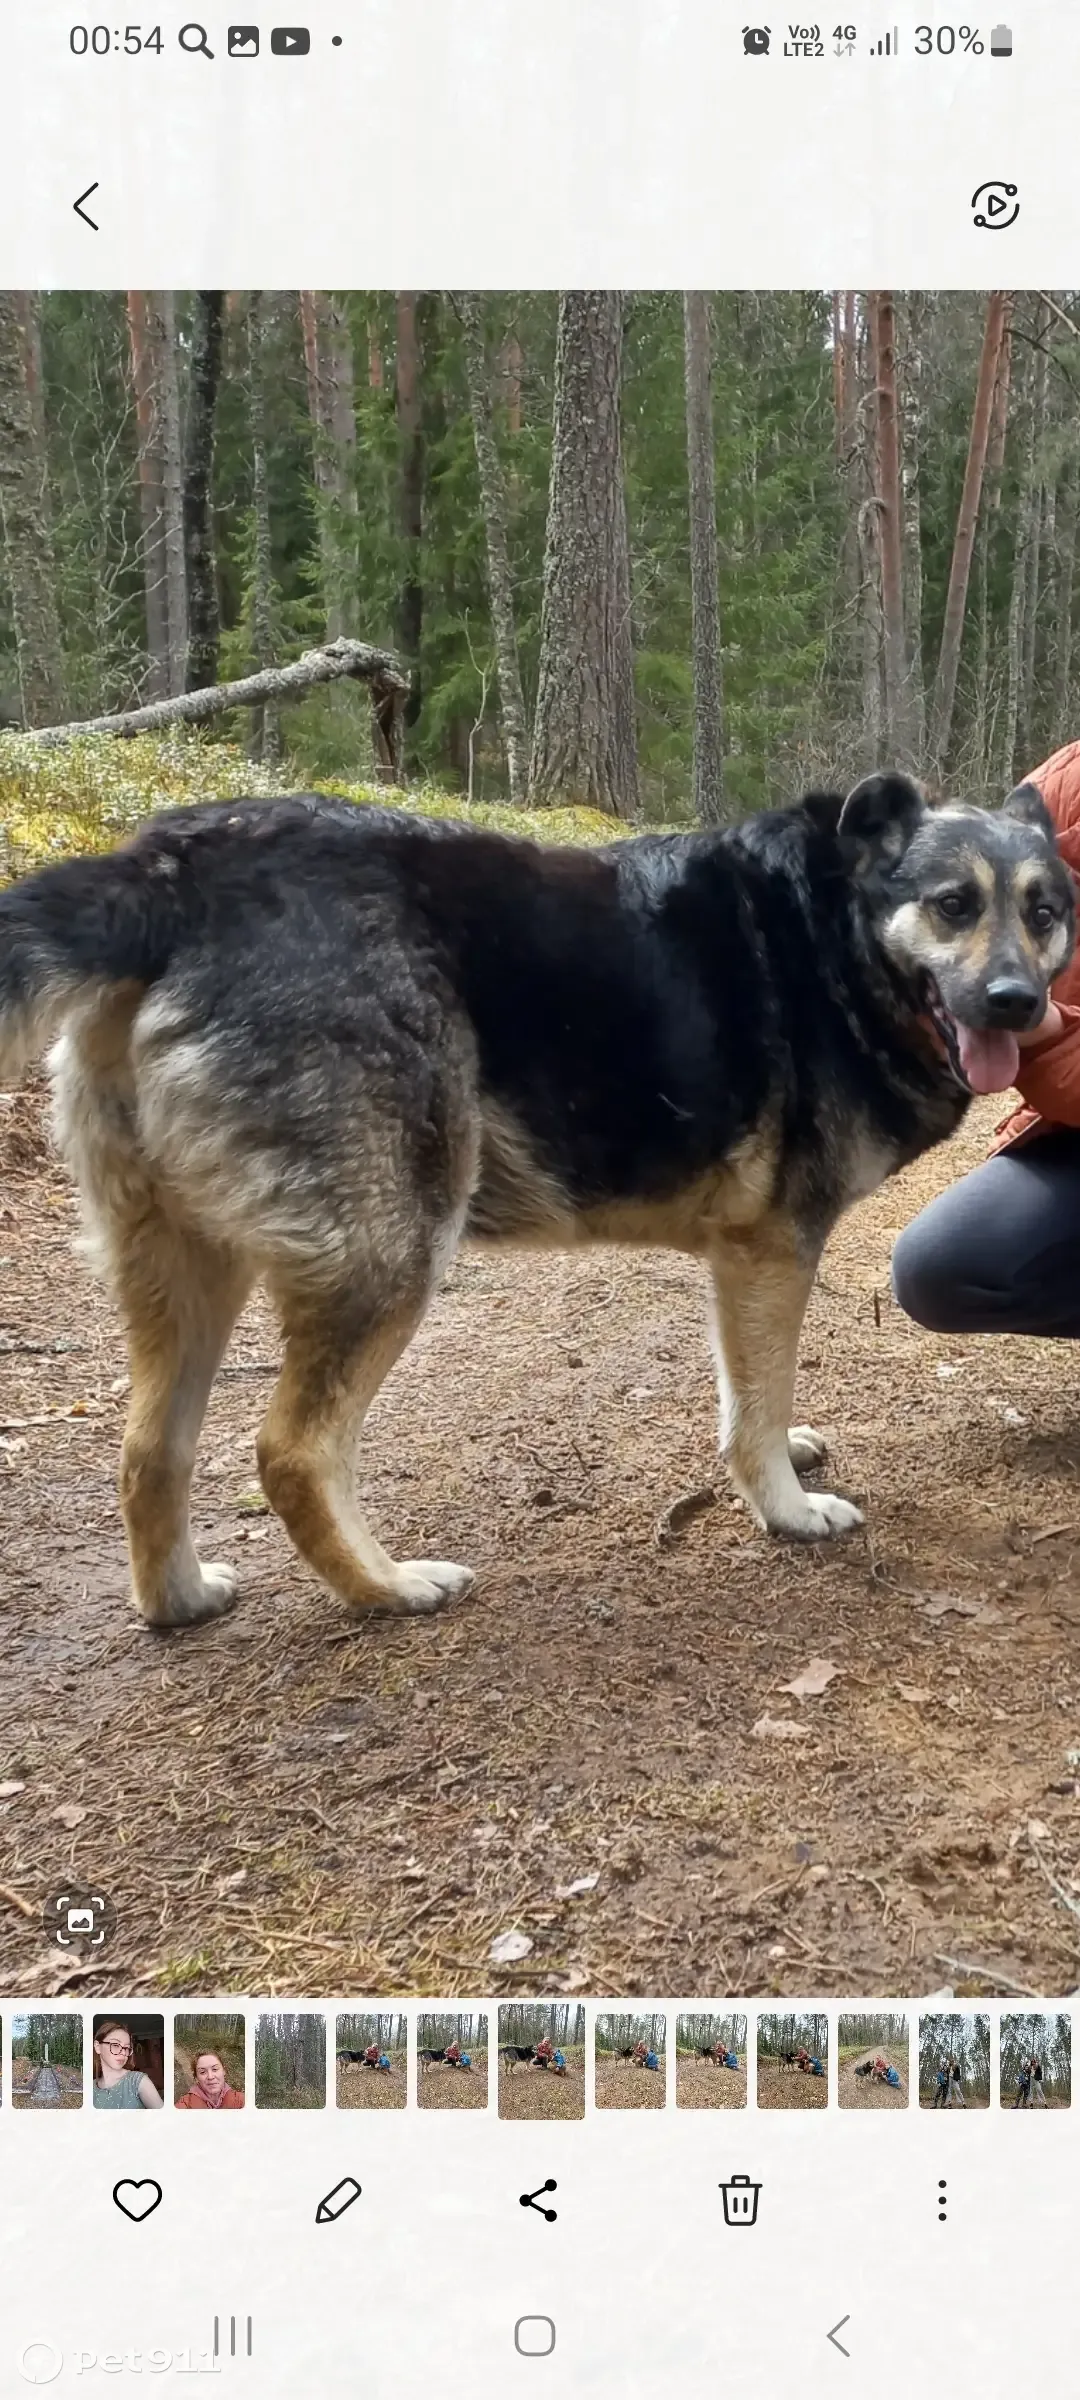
(316, 1046)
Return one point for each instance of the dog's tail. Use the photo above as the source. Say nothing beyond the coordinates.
(87, 922)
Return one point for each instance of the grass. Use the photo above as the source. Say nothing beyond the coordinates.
(94, 791)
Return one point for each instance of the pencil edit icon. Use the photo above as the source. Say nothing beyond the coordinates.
(336, 2202)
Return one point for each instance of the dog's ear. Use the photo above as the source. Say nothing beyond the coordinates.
(880, 816)
(1027, 807)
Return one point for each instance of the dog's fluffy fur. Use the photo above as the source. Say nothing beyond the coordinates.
(316, 1046)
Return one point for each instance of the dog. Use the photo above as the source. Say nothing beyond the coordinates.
(317, 1046)
(519, 2054)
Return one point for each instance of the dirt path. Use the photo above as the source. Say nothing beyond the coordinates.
(699, 2085)
(536, 2092)
(288, 1803)
(790, 2087)
(619, 2084)
(860, 2091)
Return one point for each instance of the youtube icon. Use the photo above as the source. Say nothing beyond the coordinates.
(290, 41)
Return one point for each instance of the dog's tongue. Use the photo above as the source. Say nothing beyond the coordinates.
(991, 1061)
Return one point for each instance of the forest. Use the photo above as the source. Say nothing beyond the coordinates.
(1048, 2040)
(960, 2041)
(665, 555)
(290, 2061)
(561, 2021)
(224, 2035)
(872, 2029)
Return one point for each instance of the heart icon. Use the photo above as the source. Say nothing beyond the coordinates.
(137, 2200)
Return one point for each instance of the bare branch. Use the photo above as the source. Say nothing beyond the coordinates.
(344, 657)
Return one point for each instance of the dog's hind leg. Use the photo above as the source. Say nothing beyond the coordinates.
(761, 1285)
(338, 1350)
(180, 1299)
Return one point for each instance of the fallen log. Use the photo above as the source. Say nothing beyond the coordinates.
(335, 660)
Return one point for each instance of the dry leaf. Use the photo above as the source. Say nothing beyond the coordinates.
(813, 1680)
(1037, 1831)
(569, 1891)
(8, 1790)
(780, 1729)
(507, 1947)
(914, 1693)
(946, 1604)
(252, 1502)
(70, 1814)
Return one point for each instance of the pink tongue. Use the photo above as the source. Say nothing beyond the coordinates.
(991, 1061)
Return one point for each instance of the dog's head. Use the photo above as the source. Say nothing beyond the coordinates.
(973, 904)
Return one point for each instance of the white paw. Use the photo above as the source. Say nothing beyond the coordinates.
(423, 1585)
(806, 1449)
(821, 1515)
(194, 1604)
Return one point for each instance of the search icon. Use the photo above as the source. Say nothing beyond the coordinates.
(200, 42)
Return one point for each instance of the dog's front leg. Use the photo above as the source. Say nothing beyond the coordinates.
(761, 1282)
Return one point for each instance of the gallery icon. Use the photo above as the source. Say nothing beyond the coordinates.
(290, 41)
(755, 40)
(78, 1917)
(243, 41)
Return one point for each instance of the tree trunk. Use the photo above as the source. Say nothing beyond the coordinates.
(157, 415)
(24, 515)
(709, 806)
(511, 369)
(1063, 619)
(500, 579)
(356, 661)
(151, 490)
(1038, 530)
(583, 740)
(917, 323)
(990, 514)
(897, 726)
(952, 634)
(204, 623)
(410, 491)
(172, 453)
(328, 358)
(869, 549)
(1018, 597)
(266, 717)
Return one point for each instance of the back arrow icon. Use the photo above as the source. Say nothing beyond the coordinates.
(80, 210)
(831, 2337)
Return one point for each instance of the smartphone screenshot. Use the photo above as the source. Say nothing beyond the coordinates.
(539, 1187)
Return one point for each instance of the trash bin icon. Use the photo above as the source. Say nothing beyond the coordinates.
(740, 2200)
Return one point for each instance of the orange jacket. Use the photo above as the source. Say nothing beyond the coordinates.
(1049, 1078)
(194, 2099)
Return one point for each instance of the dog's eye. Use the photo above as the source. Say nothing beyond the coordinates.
(1043, 917)
(953, 905)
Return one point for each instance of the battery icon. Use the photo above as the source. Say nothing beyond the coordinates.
(1001, 41)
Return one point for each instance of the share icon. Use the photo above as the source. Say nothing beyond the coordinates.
(531, 2200)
